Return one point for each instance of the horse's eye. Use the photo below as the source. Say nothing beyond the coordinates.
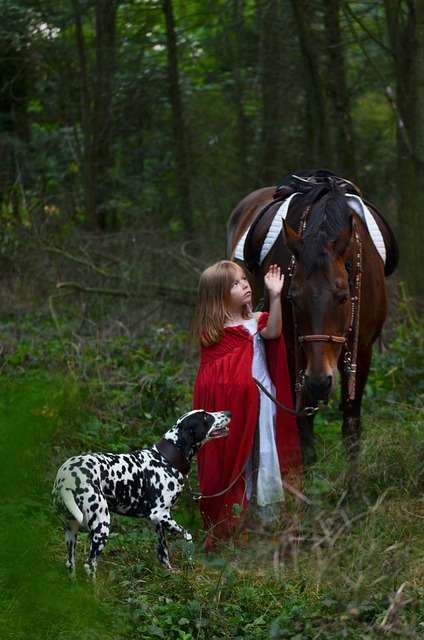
(343, 298)
(293, 299)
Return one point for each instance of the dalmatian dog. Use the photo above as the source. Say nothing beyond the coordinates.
(142, 484)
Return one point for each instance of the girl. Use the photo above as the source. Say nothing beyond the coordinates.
(234, 342)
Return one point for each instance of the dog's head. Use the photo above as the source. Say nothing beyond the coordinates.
(193, 429)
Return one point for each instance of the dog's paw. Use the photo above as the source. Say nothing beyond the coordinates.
(188, 553)
(188, 536)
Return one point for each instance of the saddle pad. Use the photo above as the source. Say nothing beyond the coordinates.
(365, 214)
(277, 224)
(272, 235)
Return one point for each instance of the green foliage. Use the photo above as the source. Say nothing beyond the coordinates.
(225, 92)
(344, 568)
(37, 601)
(141, 375)
(397, 374)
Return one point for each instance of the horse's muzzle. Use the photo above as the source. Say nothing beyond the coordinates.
(319, 387)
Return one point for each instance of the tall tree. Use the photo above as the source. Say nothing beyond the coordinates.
(340, 121)
(235, 47)
(103, 110)
(274, 113)
(181, 152)
(96, 108)
(15, 91)
(405, 24)
(317, 126)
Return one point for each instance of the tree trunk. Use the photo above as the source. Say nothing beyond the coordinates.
(319, 134)
(271, 79)
(15, 129)
(182, 158)
(236, 62)
(89, 168)
(405, 23)
(340, 120)
(103, 110)
(96, 111)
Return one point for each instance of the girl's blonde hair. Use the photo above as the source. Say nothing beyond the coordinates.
(211, 312)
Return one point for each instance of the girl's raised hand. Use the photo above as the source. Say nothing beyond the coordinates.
(274, 280)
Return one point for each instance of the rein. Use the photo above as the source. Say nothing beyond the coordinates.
(307, 411)
(350, 358)
(199, 496)
(172, 454)
(286, 485)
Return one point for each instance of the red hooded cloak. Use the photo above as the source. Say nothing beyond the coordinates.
(224, 382)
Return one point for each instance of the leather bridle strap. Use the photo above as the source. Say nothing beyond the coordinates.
(322, 338)
(173, 455)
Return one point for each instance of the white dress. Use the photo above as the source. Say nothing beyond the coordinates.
(269, 485)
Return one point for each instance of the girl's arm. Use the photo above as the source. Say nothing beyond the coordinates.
(274, 281)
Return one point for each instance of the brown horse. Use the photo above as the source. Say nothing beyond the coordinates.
(334, 299)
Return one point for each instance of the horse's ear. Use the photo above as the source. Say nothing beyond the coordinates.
(292, 240)
(340, 244)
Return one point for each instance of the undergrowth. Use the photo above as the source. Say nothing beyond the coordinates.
(342, 567)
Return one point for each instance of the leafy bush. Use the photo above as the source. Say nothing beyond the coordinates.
(397, 374)
(134, 387)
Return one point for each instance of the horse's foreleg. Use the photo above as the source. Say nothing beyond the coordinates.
(352, 422)
(352, 434)
(305, 426)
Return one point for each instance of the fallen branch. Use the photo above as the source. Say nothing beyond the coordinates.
(85, 289)
(159, 289)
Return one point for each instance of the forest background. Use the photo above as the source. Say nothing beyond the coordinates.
(129, 129)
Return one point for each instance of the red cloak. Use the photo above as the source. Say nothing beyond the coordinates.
(224, 382)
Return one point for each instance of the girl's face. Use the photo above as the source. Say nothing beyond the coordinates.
(240, 292)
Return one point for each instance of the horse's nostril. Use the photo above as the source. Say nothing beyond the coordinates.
(319, 387)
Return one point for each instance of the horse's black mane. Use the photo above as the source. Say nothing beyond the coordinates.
(328, 215)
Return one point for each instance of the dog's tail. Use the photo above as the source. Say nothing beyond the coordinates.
(69, 502)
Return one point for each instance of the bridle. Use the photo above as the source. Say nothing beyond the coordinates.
(355, 297)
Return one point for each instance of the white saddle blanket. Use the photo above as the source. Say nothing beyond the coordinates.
(277, 224)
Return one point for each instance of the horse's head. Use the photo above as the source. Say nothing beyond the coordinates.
(320, 292)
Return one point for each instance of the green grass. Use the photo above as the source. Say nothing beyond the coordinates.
(342, 568)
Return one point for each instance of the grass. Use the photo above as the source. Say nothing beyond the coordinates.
(341, 568)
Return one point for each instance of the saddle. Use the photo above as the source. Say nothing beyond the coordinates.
(303, 182)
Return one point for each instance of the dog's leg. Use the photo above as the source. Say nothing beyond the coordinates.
(99, 527)
(162, 521)
(162, 545)
(71, 530)
(90, 567)
(164, 518)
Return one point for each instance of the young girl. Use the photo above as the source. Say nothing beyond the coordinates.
(263, 443)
